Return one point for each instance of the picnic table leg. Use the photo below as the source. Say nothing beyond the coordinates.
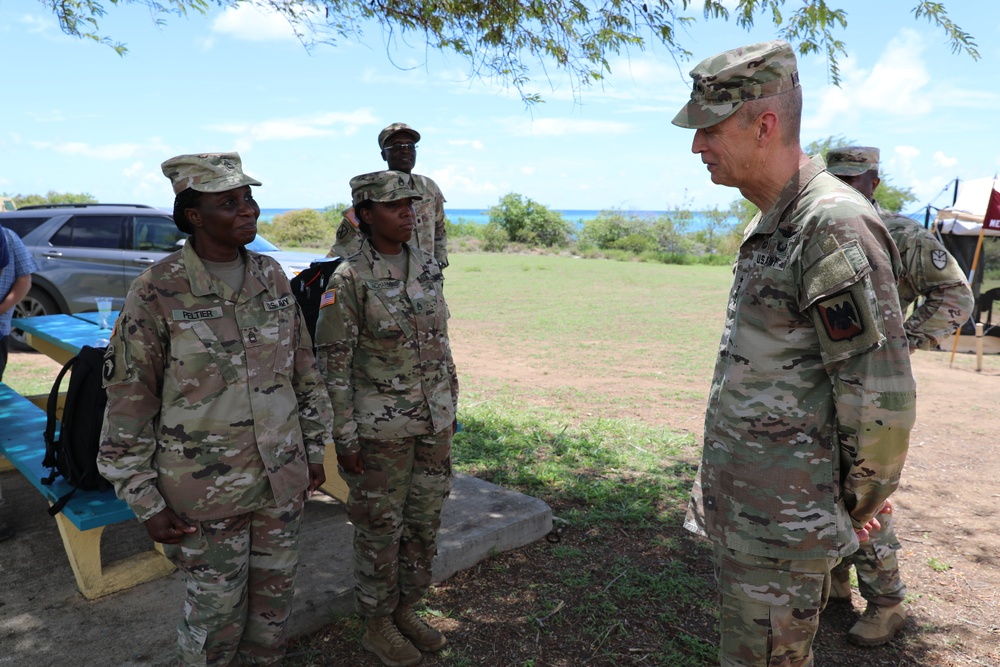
(83, 548)
(335, 485)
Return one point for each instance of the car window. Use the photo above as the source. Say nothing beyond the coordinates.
(155, 233)
(21, 226)
(90, 231)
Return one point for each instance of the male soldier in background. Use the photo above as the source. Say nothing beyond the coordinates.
(928, 271)
(398, 143)
(812, 400)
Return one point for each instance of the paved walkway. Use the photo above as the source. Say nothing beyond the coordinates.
(45, 622)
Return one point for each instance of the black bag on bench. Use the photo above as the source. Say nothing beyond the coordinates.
(73, 453)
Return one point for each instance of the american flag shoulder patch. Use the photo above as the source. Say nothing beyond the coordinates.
(328, 299)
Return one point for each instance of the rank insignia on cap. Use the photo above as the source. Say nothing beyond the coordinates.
(328, 299)
(840, 317)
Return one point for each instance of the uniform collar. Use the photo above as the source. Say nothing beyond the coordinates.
(202, 283)
(767, 222)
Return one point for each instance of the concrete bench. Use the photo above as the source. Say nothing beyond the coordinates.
(82, 521)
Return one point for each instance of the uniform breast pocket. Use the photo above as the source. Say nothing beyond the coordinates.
(385, 321)
(196, 370)
(271, 344)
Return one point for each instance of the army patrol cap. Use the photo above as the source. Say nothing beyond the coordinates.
(206, 172)
(386, 134)
(851, 160)
(723, 82)
(382, 186)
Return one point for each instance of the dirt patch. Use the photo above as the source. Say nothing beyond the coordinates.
(947, 519)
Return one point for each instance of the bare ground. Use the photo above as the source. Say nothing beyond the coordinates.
(947, 519)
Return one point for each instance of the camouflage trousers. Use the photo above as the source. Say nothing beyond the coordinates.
(877, 566)
(240, 582)
(395, 506)
(769, 608)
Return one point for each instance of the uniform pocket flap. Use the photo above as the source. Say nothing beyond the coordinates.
(833, 273)
(779, 588)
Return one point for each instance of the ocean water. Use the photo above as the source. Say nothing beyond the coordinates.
(481, 216)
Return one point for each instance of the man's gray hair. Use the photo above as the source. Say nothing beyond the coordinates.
(787, 106)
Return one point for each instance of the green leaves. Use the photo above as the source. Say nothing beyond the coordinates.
(510, 41)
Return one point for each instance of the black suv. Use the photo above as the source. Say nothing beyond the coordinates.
(89, 250)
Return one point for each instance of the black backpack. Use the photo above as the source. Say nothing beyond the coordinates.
(308, 287)
(73, 453)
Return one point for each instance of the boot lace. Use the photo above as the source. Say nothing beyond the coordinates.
(390, 632)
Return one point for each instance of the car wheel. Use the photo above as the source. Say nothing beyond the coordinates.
(35, 302)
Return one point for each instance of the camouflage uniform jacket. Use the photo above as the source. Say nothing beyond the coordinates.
(428, 232)
(812, 400)
(929, 271)
(215, 403)
(382, 346)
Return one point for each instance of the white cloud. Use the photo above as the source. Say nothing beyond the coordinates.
(122, 151)
(943, 160)
(559, 127)
(35, 24)
(896, 86)
(527, 170)
(458, 181)
(253, 24)
(475, 144)
(316, 125)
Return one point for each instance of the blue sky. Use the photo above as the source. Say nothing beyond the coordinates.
(76, 117)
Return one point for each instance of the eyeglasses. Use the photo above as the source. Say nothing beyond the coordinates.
(402, 147)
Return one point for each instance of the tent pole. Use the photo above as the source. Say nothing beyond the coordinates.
(972, 274)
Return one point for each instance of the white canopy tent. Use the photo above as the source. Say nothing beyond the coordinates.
(959, 226)
(965, 216)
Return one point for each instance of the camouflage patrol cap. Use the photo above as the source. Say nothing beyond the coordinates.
(723, 82)
(382, 186)
(206, 172)
(851, 160)
(386, 133)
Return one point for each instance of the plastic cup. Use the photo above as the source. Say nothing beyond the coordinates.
(104, 308)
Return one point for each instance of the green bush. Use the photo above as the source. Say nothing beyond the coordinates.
(494, 237)
(305, 228)
(526, 221)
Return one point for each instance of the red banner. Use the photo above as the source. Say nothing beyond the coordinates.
(992, 218)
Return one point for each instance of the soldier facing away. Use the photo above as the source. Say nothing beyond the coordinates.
(398, 145)
(383, 348)
(217, 418)
(812, 400)
(931, 273)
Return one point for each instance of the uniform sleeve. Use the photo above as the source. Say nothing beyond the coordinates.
(440, 230)
(133, 377)
(852, 299)
(315, 413)
(948, 301)
(337, 330)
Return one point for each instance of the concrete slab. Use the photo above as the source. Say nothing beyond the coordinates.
(45, 622)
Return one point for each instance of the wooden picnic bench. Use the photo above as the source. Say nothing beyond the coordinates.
(82, 520)
(22, 425)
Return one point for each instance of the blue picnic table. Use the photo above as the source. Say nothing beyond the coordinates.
(82, 520)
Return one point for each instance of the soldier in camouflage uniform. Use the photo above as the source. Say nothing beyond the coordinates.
(382, 346)
(812, 399)
(930, 272)
(398, 143)
(217, 418)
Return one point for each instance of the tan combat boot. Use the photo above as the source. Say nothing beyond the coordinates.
(423, 636)
(878, 625)
(383, 639)
(840, 587)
